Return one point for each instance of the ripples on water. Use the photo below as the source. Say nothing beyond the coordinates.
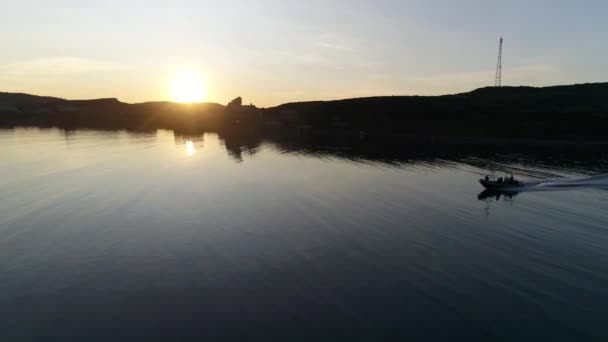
(120, 235)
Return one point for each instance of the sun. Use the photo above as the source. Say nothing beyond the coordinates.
(188, 87)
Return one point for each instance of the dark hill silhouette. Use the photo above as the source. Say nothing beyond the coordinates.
(22, 109)
(20, 99)
(573, 111)
(559, 111)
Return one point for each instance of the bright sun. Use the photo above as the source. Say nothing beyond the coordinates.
(188, 87)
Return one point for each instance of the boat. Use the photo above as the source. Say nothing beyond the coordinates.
(496, 185)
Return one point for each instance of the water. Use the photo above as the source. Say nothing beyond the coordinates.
(108, 235)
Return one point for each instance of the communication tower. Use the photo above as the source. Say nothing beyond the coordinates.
(498, 79)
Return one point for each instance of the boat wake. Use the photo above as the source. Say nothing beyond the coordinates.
(595, 182)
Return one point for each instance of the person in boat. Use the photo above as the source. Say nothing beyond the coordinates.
(511, 180)
(487, 179)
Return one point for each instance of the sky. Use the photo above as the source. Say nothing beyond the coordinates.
(272, 52)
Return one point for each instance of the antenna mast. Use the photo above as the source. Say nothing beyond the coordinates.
(498, 79)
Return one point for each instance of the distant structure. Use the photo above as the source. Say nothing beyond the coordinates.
(236, 103)
(498, 79)
(236, 112)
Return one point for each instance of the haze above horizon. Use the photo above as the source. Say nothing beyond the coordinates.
(273, 52)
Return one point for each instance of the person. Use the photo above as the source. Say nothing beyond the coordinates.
(487, 179)
(500, 180)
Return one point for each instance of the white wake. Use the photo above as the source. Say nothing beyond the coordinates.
(593, 182)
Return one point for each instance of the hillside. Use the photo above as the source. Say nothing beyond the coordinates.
(23, 109)
(578, 111)
(23, 99)
(12, 102)
(575, 110)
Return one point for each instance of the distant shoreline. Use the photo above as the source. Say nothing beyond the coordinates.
(557, 113)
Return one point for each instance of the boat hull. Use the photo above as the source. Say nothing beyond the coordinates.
(498, 186)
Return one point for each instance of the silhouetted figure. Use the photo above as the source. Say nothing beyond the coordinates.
(487, 179)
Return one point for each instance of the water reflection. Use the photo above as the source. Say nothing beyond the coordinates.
(496, 195)
(190, 143)
(240, 144)
(190, 148)
(521, 158)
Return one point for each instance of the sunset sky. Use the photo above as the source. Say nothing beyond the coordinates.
(271, 52)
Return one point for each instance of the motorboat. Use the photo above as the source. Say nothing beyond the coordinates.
(500, 183)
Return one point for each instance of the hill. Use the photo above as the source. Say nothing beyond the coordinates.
(574, 110)
(24, 109)
(11, 102)
(577, 111)
(22, 99)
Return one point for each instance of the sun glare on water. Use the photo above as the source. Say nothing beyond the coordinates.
(190, 149)
(188, 87)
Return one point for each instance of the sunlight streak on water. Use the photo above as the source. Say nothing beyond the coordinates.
(190, 149)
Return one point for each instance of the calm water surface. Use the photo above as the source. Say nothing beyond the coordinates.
(155, 236)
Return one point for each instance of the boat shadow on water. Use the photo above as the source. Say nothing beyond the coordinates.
(489, 194)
